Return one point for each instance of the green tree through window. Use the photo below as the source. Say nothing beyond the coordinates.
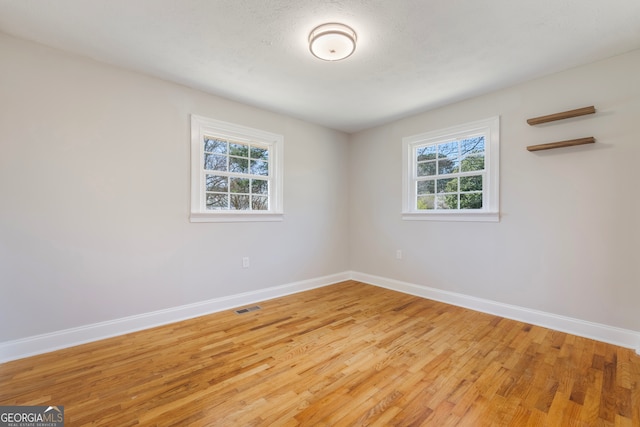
(451, 174)
(451, 170)
(236, 172)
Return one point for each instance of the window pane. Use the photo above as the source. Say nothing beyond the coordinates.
(259, 186)
(447, 201)
(448, 150)
(259, 203)
(426, 153)
(240, 150)
(238, 165)
(427, 168)
(259, 167)
(471, 201)
(239, 202)
(425, 202)
(213, 145)
(235, 170)
(447, 166)
(259, 153)
(217, 201)
(472, 146)
(473, 163)
(217, 183)
(239, 185)
(447, 185)
(215, 162)
(426, 187)
(450, 170)
(471, 183)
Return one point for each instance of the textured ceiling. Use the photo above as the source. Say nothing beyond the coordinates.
(412, 55)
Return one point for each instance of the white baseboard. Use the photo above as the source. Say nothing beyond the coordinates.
(30, 346)
(609, 334)
(25, 347)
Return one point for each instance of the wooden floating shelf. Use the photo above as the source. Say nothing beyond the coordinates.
(560, 144)
(561, 116)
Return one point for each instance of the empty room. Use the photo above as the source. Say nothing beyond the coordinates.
(319, 213)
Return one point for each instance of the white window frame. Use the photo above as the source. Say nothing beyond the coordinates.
(490, 211)
(203, 126)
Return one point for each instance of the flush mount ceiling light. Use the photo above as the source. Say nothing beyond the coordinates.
(332, 42)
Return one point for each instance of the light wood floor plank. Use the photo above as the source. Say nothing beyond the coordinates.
(344, 355)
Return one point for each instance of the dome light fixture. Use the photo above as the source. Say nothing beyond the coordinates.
(332, 41)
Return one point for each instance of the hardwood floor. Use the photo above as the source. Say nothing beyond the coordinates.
(344, 355)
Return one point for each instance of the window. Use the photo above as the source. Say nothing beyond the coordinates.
(452, 174)
(236, 172)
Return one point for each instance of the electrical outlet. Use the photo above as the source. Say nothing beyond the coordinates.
(245, 262)
(399, 254)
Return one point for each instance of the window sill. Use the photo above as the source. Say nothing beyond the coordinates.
(235, 217)
(452, 216)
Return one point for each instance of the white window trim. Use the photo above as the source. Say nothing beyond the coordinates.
(491, 192)
(201, 126)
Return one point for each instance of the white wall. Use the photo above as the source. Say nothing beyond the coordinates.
(94, 196)
(569, 239)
